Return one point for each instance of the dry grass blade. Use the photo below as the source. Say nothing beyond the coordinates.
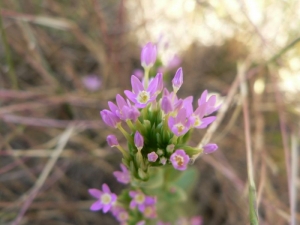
(28, 198)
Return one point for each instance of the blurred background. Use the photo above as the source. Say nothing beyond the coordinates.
(61, 61)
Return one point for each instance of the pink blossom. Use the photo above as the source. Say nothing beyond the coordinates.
(122, 176)
(105, 199)
(179, 159)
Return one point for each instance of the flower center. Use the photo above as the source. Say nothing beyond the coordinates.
(179, 160)
(139, 198)
(105, 199)
(123, 216)
(149, 211)
(179, 127)
(197, 121)
(143, 97)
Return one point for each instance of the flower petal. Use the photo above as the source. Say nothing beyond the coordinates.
(106, 208)
(96, 206)
(95, 192)
(136, 84)
(105, 188)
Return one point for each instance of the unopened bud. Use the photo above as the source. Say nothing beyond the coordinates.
(112, 140)
(210, 148)
(170, 148)
(138, 141)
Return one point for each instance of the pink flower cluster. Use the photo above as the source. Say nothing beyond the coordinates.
(158, 128)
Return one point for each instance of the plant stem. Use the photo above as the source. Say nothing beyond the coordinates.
(8, 58)
(253, 214)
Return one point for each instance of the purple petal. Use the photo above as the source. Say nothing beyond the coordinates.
(120, 101)
(188, 105)
(206, 121)
(105, 188)
(123, 167)
(132, 194)
(152, 86)
(132, 204)
(95, 192)
(202, 98)
(136, 84)
(113, 197)
(113, 108)
(106, 208)
(181, 116)
(96, 206)
(130, 95)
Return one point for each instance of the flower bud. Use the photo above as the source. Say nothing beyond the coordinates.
(152, 157)
(166, 105)
(109, 118)
(148, 55)
(138, 141)
(210, 148)
(170, 148)
(178, 79)
(112, 140)
(160, 152)
(163, 160)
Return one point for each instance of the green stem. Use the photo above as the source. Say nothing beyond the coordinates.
(252, 205)
(130, 125)
(122, 150)
(124, 132)
(8, 58)
(284, 50)
(146, 76)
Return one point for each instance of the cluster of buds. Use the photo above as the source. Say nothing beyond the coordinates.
(158, 125)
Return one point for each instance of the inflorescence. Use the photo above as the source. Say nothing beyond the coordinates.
(158, 125)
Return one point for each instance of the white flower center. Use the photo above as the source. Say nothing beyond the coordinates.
(139, 198)
(143, 97)
(179, 159)
(105, 199)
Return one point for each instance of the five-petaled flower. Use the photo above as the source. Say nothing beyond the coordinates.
(180, 124)
(140, 95)
(105, 199)
(140, 200)
(179, 159)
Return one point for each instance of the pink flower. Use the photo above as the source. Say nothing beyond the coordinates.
(105, 199)
(210, 103)
(140, 200)
(196, 220)
(180, 124)
(150, 211)
(152, 157)
(124, 110)
(141, 96)
(91, 82)
(122, 176)
(200, 122)
(179, 159)
(110, 118)
(120, 213)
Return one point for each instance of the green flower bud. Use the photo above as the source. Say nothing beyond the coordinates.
(170, 148)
